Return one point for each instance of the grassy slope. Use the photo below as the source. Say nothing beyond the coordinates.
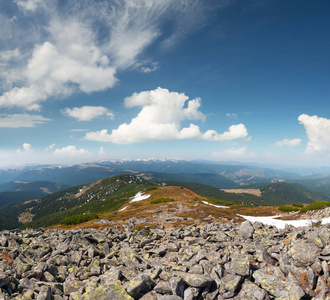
(107, 195)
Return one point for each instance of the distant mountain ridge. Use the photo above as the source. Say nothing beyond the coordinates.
(89, 172)
(203, 172)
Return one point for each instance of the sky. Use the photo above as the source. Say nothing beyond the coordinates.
(220, 80)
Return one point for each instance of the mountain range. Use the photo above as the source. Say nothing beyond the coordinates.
(45, 195)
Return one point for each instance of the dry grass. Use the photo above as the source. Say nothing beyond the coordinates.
(187, 204)
(6, 258)
(255, 192)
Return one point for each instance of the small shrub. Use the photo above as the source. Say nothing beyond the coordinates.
(162, 200)
(317, 224)
(315, 206)
(298, 204)
(287, 208)
(77, 219)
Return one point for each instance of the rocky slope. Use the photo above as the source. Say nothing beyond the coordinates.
(199, 261)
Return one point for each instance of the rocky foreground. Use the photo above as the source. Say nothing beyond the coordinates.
(208, 261)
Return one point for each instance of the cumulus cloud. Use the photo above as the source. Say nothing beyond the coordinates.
(58, 72)
(88, 113)
(288, 142)
(21, 120)
(26, 147)
(70, 150)
(160, 120)
(318, 132)
(60, 48)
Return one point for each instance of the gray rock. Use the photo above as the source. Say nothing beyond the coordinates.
(44, 293)
(139, 286)
(178, 286)
(240, 265)
(4, 279)
(252, 291)
(113, 291)
(150, 296)
(191, 293)
(72, 285)
(303, 253)
(246, 229)
(277, 287)
(163, 287)
(198, 281)
(230, 285)
(169, 297)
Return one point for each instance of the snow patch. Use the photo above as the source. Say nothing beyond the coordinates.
(280, 224)
(219, 206)
(123, 208)
(139, 196)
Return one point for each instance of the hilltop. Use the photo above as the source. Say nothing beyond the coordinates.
(126, 237)
(110, 199)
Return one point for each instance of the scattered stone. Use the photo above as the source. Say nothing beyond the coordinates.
(209, 261)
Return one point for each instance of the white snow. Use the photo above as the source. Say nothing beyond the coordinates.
(280, 224)
(219, 206)
(139, 196)
(123, 208)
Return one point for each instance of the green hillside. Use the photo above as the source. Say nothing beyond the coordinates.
(103, 196)
(278, 193)
(210, 179)
(320, 185)
(111, 193)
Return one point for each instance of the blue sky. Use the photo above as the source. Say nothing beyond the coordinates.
(201, 79)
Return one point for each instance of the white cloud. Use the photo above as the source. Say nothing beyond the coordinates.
(29, 5)
(231, 115)
(58, 54)
(233, 154)
(26, 148)
(102, 151)
(160, 120)
(50, 147)
(288, 142)
(88, 113)
(70, 150)
(148, 67)
(59, 72)
(21, 120)
(318, 132)
(78, 130)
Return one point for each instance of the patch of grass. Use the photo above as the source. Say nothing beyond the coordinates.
(317, 224)
(219, 202)
(162, 200)
(144, 227)
(77, 219)
(151, 188)
(287, 208)
(315, 206)
(298, 204)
